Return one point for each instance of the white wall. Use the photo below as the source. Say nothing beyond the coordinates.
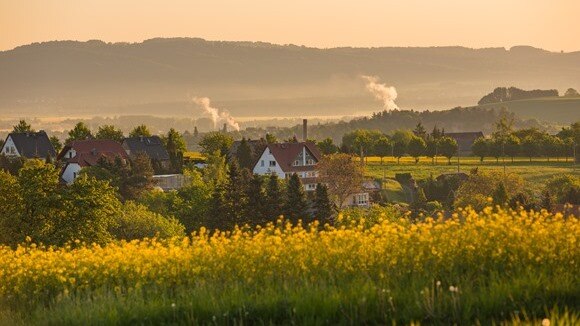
(71, 171)
(9, 148)
(70, 154)
(267, 169)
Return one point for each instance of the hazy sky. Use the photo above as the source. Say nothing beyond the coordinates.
(550, 24)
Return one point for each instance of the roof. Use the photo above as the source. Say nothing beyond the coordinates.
(33, 144)
(286, 153)
(152, 146)
(95, 147)
(90, 159)
(465, 139)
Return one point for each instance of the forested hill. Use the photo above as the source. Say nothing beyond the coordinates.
(159, 76)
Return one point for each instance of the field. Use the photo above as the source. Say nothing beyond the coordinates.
(553, 109)
(536, 172)
(492, 266)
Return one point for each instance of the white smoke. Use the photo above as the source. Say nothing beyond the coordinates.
(215, 115)
(382, 92)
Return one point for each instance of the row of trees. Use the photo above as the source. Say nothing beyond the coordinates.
(414, 143)
(506, 142)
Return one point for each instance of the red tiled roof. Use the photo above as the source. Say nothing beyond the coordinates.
(89, 159)
(95, 148)
(286, 153)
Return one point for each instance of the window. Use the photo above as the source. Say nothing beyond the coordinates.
(296, 163)
(361, 199)
(74, 175)
(311, 186)
(272, 163)
(70, 154)
(310, 174)
(310, 162)
(12, 150)
(262, 163)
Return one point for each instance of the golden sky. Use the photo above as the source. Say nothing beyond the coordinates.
(549, 24)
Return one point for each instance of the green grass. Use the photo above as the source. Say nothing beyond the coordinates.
(537, 172)
(563, 110)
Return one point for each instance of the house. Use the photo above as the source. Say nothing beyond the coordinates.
(364, 198)
(28, 145)
(285, 159)
(465, 140)
(84, 153)
(152, 146)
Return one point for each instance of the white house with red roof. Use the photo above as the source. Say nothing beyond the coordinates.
(285, 159)
(83, 153)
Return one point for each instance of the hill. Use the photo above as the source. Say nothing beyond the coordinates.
(160, 76)
(562, 110)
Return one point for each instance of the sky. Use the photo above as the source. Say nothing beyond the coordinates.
(549, 24)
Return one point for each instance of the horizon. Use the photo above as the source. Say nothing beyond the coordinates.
(368, 23)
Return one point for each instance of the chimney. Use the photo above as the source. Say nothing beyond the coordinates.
(225, 127)
(304, 129)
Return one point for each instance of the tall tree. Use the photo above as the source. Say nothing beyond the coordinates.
(216, 170)
(22, 126)
(322, 205)
(432, 149)
(175, 145)
(140, 131)
(271, 139)
(110, 132)
(256, 204)
(327, 146)
(80, 132)
(235, 196)
(217, 209)
(244, 155)
(342, 176)
(55, 141)
(480, 148)
(530, 147)
(420, 131)
(512, 146)
(296, 206)
(382, 147)
(274, 198)
(448, 147)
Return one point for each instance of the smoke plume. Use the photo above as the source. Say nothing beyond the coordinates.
(215, 115)
(387, 94)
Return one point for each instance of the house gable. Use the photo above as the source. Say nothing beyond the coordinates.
(9, 148)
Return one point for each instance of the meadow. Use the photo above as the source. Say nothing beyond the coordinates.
(536, 172)
(484, 267)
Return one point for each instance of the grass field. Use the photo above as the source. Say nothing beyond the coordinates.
(562, 110)
(486, 267)
(536, 172)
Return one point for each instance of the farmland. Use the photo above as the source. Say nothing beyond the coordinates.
(475, 267)
(554, 109)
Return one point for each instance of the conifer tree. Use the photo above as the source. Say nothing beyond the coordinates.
(296, 206)
(274, 199)
(322, 204)
(244, 155)
(256, 204)
(500, 196)
(217, 210)
(235, 195)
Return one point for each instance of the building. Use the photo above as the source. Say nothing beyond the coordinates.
(28, 145)
(168, 182)
(465, 140)
(364, 198)
(84, 153)
(285, 159)
(152, 146)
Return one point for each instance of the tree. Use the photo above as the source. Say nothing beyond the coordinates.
(175, 145)
(55, 141)
(216, 141)
(432, 149)
(480, 186)
(274, 203)
(256, 204)
(530, 147)
(271, 139)
(110, 132)
(448, 147)
(399, 149)
(322, 205)
(420, 131)
(140, 131)
(244, 155)
(235, 196)
(382, 147)
(571, 92)
(192, 202)
(342, 176)
(80, 132)
(327, 146)
(295, 207)
(11, 202)
(216, 170)
(22, 126)
(561, 187)
(217, 209)
(436, 133)
(416, 148)
(552, 146)
(135, 221)
(401, 139)
(140, 177)
(512, 146)
(420, 200)
(480, 148)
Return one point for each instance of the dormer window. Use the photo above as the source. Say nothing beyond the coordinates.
(310, 162)
(296, 163)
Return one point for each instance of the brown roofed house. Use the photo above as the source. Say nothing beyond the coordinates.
(83, 153)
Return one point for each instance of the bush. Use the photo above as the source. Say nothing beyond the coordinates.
(565, 189)
(137, 222)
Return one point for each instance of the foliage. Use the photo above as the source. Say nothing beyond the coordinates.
(80, 132)
(562, 187)
(56, 143)
(216, 141)
(416, 148)
(110, 132)
(327, 146)
(244, 155)
(140, 131)
(296, 206)
(323, 209)
(503, 94)
(22, 126)
(482, 186)
(342, 175)
(472, 268)
(480, 148)
(448, 147)
(135, 221)
(175, 146)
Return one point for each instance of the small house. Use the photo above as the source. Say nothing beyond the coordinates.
(84, 153)
(151, 146)
(28, 145)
